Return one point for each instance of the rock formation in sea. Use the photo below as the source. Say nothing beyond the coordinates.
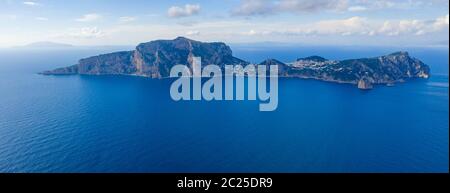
(364, 72)
(155, 59)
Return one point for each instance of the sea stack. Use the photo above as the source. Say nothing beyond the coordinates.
(365, 84)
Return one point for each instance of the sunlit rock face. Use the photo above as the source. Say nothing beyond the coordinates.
(158, 57)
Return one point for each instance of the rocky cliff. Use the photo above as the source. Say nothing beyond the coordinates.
(153, 59)
(156, 58)
(365, 72)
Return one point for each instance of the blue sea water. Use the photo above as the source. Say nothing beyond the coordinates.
(130, 124)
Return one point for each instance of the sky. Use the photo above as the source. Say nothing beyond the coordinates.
(309, 22)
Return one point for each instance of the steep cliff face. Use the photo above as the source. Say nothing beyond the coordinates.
(115, 63)
(156, 58)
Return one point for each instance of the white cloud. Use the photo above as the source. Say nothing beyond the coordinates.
(41, 18)
(187, 10)
(193, 33)
(357, 8)
(31, 3)
(89, 17)
(441, 23)
(311, 6)
(395, 28)
(254, 7)
(352, 30)
(85, 32)
(393, 4)
(253, 32)
(397, 4)
(415, 27)
(350, 26)
(266, 7)
(126, 19)
(356, 26)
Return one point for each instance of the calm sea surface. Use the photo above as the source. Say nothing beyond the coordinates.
(130, 124)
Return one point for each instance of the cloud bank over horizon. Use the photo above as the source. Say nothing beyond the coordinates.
(318, 22)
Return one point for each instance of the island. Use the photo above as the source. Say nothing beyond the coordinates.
(155, 59)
